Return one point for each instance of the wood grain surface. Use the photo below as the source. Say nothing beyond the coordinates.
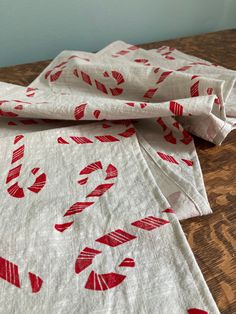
(213, 237)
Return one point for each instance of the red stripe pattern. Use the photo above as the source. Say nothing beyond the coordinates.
(149, 223)
(194, 89)
(85, 259)
(169, 210)
(163, 76)
(162, 123)
(63, 227)
(18, 154)
(127, 262)
(13, 173)
(197, 311)
(116, 238)
(77, 208)
(9, 272)
(167, 158)
(104, 281)
(80, 140)
(188, 162)
(106, 138)
(111, 172)
(150, 93)
(100, 190)
(91, 168)
(128, 133)
(176, 108)
(36, 282)
(115, 75)
(170, 138)
(79, 111)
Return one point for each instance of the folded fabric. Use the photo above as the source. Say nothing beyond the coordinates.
(90, 212)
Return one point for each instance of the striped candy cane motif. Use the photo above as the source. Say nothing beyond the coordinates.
(210, 91)
(171, 159)
(18, 106)
(169, 210)
(166, 51)
(196, 311)
(102, 87)
(188, 162)
(78, 207)
(108, 138)
(142, 61)
(101, 282)
(163, 76)
(187, 138)
(14, 173)
(162, 123)
(149, 223)
(176, 108)
(79, 112)
(55, 73)
(9, 272)
(4, 113)
(168, 135)
(85, 259)
(116, 238)
(194, 89)
(127, 262)
(31, 122)
(167, 158)
(150, 93)
(124, 52)
(30, 91)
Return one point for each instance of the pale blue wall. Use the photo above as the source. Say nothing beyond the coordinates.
(32, 30)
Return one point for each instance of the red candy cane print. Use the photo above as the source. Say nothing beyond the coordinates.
(168, 135)
(163, 76)
(171, 159)
(166, 54)
(150, 223)
(9, 272)
(18, 106)
(14, 173)
(102, 87)
(85, 259)
(196, 311)
(144, 61)
(124, 52)
(194, 89)
(107, 138)
(78, 207)
(127, 262)
(151, 91)
(101, 282)
(167, 158)
(31, 122)
(55, 73)
(4, 113)
(30, 91)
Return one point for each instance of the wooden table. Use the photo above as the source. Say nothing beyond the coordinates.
(213, 237)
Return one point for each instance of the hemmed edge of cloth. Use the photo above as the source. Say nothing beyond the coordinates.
(202, 205)
(222, 133)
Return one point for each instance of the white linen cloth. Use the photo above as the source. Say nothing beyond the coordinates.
(90, 213)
